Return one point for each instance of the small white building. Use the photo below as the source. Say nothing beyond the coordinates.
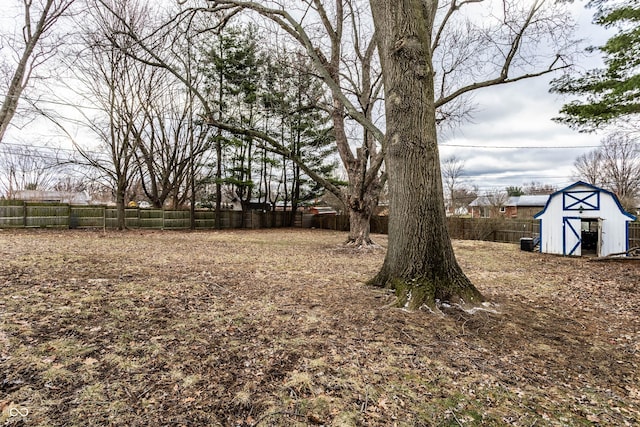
(583, 219)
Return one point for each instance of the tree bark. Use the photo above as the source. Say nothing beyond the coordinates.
(360, 198)
(359, 228)
(121, 189)
(420, 263)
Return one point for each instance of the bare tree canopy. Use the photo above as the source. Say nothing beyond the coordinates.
(615, 166)
(452, 176)
(27, 168)
(478, 44)
(29, 51)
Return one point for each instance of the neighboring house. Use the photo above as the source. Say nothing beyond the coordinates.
(322, 210)
(584, 219)
(70, 197)
(521, 207)
(283, 206)
(525, 207)
(459, 211)
(481, 207)
(229, 199)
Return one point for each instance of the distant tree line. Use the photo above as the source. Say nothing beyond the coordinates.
(153, 142)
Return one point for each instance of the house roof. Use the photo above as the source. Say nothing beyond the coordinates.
(481, 201)
(71, 197)
(520, 201)
(538, 200)
(324, 210)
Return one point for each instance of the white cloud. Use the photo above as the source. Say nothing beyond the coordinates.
(520, 115)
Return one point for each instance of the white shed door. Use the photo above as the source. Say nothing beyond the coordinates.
(599, 248)
(572, 239)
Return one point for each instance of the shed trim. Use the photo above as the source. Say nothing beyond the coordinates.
(576, 200)
(578, 183)
(568, 226)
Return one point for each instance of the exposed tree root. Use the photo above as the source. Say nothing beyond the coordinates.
(427, 294)
(362, 245)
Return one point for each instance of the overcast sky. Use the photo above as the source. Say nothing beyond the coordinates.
(515, 115)
(519, 115)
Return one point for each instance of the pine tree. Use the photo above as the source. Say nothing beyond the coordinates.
(612, 92)
(231, 64)
(291, 100)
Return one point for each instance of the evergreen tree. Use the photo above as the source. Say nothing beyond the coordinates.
(231, 64)
(614, 91)
(514, 191)
(291, 100)
(274, 91)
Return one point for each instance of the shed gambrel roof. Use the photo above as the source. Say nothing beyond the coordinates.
(594, 188)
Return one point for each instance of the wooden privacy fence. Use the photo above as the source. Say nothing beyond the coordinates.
(489, 229)
(495, 230)
(19, 214)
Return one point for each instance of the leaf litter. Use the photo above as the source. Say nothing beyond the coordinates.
(278, 328)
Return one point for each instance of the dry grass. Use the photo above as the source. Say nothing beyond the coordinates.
(276, 328)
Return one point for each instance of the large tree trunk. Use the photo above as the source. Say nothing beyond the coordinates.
(420, 263)
(361, 196)
(359, 229)
(360, 205)
(121, 190)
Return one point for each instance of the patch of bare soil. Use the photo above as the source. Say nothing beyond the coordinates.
(277, 328)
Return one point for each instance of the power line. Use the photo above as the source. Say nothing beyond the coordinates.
(50, 149)
(546, 147)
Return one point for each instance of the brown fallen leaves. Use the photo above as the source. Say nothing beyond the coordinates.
(276, 327)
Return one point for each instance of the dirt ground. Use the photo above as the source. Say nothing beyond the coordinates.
(277, 328)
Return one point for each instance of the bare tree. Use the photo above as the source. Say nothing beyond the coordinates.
(538, 188)
(588, 167)
(496, 201)
(343, 51)
(116, 87)
(168, 139)
(24, 167)
(452, 173)
(621, 168)
(29, 52)
(615, 166)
